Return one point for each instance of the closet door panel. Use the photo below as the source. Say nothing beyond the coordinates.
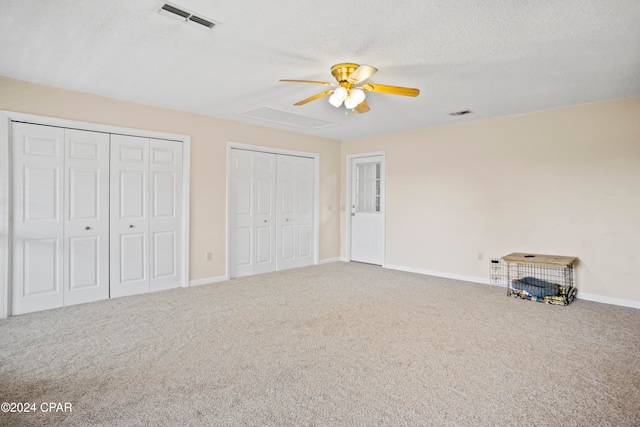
(252, 212)
(265, 213)
(286, 236)
(129, 219)
(304, 211)
(242, 212)
(86, 263)
(38, 217)
(165, 254)
(304, 241)
(133, 258)
(287, 244)
(242, 251)
(40, 271)
(295, 212)
(133, 194)
(165, 220)
(164, 195)
(85, 267)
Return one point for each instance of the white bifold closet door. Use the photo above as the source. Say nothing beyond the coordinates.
(253, 218)
(271, 212)
(60, 217)
(295, 212)
(146, 217)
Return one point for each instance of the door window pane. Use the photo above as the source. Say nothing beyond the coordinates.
(367, 197)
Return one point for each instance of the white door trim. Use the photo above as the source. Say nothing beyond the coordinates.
(5, 220)
(6, 117)
(316, 190)
(349, 158)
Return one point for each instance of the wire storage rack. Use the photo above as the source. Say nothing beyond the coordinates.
(543, 278)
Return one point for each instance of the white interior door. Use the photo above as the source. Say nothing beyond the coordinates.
(165, 222)
(241, 213)
(265, 212)
(367, 210)
(252, 212)
(294, 236)
(129, 249)
(38, 217)
(86, 212)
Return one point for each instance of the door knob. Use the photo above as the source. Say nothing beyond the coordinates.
(87, 228)
(131, 226)
(265, 220)
(287, 219)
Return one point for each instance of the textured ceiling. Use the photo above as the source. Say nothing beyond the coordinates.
(495, 57)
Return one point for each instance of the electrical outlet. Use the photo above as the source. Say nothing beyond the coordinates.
(480, 256)
(209, 256)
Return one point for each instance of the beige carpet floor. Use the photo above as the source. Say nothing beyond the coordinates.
(332, 345)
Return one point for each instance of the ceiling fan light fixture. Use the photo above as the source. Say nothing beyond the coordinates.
(350, 103)
(333, 100)
(357, 95)
(341, 93)
(348, 76)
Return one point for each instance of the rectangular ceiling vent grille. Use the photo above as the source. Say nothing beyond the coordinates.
(461, 113)
(175, 11)
(201, 21)
(182, 15)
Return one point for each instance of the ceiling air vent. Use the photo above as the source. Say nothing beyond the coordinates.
(201, 21)
(461, 113)
(183, 15)
(175, 11)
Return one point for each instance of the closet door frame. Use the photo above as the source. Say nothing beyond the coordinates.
(316, 193)
(6, 117)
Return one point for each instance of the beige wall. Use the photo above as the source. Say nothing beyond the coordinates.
(562, 182)
(209, 138)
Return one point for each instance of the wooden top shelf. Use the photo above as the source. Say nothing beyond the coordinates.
(538, 259)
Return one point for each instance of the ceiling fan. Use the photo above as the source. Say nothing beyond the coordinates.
(349, 76)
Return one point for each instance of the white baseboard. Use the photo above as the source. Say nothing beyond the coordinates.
(608, 300)
(328, 260)
(208, 280)
(580, 295)
(483, 280)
